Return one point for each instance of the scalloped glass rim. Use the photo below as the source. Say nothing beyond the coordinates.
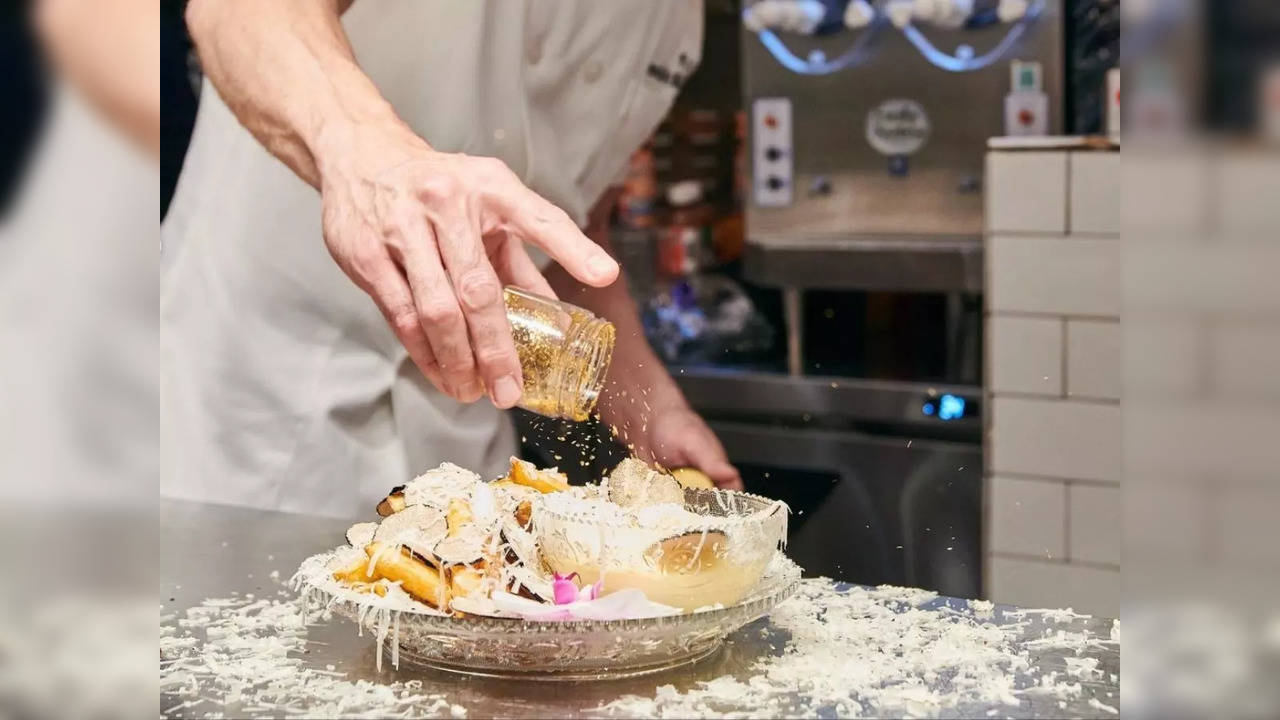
(709, 496)
(780, 580)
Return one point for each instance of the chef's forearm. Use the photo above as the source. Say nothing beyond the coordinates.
(287, 71)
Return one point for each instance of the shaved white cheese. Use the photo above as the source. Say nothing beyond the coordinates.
(484, 503)
(464, 548)
(1099, 705)
(361, 534)
(863, 652)
(250, 657)
(1081, 667)
(915, 597)
(417, 527)
(982, 609)
(535, 582)
(437, 487)
(1055, 614)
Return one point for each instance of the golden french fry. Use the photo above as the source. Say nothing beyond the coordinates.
(459, 514)
(357, 572)
(544, 481)
(417, 578)
(524, 513)
(378, 587)
(464, 580)
(391, 504)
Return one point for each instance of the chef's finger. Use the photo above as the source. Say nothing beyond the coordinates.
(705, 453)
(438, 311)
(514, 267)
(479, 292)
(724, 475)
(540, 223)
(390, 292)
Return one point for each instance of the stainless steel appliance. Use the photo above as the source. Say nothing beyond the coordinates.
(883, 160)
(865, 210)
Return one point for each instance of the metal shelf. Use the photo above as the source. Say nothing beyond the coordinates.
(887, 263)
(738, 394)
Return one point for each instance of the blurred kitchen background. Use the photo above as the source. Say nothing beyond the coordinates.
(806, 236)
(810, 235)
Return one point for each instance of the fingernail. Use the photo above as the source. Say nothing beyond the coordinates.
(602, 265)
(506, 391)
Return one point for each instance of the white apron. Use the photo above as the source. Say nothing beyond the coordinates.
(78, 390)
(282, 386)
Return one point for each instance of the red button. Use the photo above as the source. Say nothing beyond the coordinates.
(770, 121)
(1026, 117)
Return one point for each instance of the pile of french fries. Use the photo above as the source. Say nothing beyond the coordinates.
(471, 558)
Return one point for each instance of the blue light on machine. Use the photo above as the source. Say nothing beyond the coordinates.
(950, 407)
(947, 407)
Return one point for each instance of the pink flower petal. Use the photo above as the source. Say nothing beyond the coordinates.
(591, 592)
(563, 590)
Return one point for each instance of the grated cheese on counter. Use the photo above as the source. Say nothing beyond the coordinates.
(249, 662)
(887, 650)
(869, 651)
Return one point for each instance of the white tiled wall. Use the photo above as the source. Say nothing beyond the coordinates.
(1026, 355)
(1093, 359)
(1028, 517)
(1201, 393)
(1054, 437)
(1028, 192)
(1242, 359)
(1059, 275)
(1054, 362)
(1035, 583)
(1094, 203)
(1093, 524)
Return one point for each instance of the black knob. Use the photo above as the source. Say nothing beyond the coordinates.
(772, 154)
(774, 183)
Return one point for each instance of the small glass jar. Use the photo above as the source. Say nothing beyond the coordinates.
(564, 354)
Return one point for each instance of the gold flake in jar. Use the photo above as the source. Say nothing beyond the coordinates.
(564, 354)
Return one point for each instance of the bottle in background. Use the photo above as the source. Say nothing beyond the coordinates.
(681, 243)
(638, 201)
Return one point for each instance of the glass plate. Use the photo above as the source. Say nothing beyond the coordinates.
(570, 650)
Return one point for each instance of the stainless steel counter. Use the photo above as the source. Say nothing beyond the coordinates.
(209, 551)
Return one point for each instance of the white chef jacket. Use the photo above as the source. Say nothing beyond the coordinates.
(282, 387)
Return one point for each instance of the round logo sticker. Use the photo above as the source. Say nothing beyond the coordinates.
(897, 127)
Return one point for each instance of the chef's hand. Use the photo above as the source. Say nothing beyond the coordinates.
(433, 237)
(678, 437)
